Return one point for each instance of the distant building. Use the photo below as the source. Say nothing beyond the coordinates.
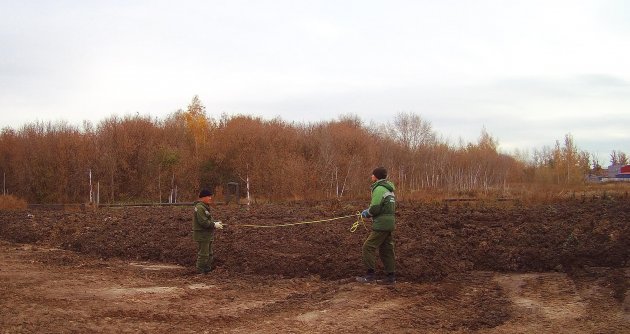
(617, 173)
(613, 170)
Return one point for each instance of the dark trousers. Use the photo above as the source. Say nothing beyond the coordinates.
(384, 242)
(204, 255)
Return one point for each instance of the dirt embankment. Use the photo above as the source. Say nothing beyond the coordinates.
(432, 241)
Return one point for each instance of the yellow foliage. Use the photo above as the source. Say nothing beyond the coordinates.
(197, 123)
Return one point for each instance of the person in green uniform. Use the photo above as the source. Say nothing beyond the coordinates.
(382, 211)
(203, 230)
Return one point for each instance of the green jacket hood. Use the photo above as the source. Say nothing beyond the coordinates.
(385, 183)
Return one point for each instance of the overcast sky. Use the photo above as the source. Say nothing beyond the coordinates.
(528, 71)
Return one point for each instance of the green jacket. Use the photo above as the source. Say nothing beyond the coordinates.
(203, 224)
(383, 206)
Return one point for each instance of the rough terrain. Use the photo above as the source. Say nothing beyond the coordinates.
(463, 268)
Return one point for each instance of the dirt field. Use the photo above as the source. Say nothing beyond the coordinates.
(463, 268)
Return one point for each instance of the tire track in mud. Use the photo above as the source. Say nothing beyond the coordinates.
(81, 293)
(556, 302)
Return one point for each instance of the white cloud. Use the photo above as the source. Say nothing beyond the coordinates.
(529, 71)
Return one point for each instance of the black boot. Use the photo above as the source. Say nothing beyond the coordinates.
(368, 278)
(389, 280)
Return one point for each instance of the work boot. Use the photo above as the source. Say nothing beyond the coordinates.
(204, 271)
(389, 280)
(368, 278)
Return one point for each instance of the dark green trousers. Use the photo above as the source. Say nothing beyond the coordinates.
(384, 242)
(204, 255)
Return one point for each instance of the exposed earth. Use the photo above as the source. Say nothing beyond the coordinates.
(559, 267)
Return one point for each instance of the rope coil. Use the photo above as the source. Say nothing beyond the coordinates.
(353, 228)
(355, 225)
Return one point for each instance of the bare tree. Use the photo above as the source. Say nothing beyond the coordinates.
(411, 131)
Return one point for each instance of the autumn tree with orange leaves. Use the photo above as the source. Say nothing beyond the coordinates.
(142, 159)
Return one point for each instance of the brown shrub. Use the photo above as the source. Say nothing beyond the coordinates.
(11, 203)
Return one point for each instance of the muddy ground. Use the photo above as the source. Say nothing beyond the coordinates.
(463, 268)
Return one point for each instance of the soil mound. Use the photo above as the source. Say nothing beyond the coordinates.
(432, 240)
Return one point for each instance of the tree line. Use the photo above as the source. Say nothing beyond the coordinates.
(138, 158)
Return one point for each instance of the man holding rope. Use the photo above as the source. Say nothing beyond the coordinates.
(382, 210)
(203, 231)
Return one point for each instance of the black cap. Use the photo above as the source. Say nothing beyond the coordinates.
(380, 173)
(205, 193)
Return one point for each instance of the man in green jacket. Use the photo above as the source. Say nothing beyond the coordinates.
(203, 231)
(382, 210)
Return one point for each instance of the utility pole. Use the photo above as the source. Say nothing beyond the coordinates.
(91, 198)
(173, 191)
(246, 179)
(249, 201)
